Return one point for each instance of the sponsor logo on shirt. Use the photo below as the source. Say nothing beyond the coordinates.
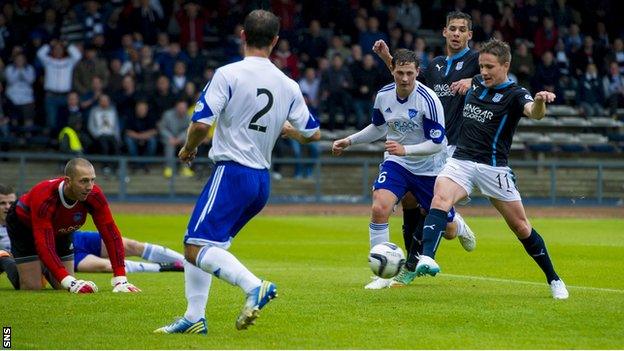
(497, 97)
(70, 229)
(459, 65)
(403, 126)
(528, 97)
(443, 90)
(475, 112)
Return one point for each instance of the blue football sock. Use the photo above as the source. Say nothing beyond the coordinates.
(536, 248)
(434, 227)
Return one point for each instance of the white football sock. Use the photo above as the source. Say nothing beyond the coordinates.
(157, 253)
(225, 266)
(378, 233)
(134, 266)
(196, 289)
(461, 224)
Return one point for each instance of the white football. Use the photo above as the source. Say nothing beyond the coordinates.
(386, 259)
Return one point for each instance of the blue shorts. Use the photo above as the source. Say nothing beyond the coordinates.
(86, 243)
(233, 195)
(398, 180)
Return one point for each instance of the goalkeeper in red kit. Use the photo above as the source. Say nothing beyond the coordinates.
(40, 226)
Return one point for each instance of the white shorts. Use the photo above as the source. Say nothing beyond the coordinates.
(495, 182)
(449, 151)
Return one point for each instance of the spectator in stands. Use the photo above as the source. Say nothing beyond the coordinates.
(310, 85)
(568, 87)
(5, 123)
(509, 26)
(115, 78)
(179, 78)
(372, 34)
(172, 127)
(591, 95)
(190, 93)
(71, 109)
(191, 21)
(91, 97)
(617, 55)
(366, 80)
(584, 56)
(72, 28)
(20, 77)
(126, 100)
(140, 133)
(573, 39)
(312, 44)
(285, 59)
(337, 46)
(149, 72)
(545, 37)
(90, 66)
(335, 85)
(408, 15)
(420, 48)
(613, 85)
(562, 59)
(59, 69)
(93, 20)
(522, 64)
(49, 28)
(147, 19)
(72, 138)
(546, 74)
(603, 43)
(197, 62)
(104, 127)
(485, 31)
(162, 99)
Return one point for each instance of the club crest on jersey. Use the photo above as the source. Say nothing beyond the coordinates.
(77, 217)
(199, 106)
(438, 66)
(497, 97)
(528, 97)
(388, 110)
(459, 65)
(412, 113)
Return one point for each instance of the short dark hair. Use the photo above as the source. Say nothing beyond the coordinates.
(70, 167)
(404, 56)
(261, 27)
(459, 15)
(6, 189)
(497, 48)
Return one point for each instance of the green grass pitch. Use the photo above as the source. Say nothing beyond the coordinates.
(495, 297)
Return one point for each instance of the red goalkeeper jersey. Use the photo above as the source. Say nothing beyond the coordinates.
(46, 210)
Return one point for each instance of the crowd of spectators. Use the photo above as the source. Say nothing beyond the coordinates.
(121, 77)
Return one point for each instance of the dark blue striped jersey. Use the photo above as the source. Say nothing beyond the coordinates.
(441, 72)
(490, 118)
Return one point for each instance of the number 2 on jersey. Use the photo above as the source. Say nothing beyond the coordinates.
(252, 124)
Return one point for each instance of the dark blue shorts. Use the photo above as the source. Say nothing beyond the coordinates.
(398, 180)
(86, 243)
(233, 195)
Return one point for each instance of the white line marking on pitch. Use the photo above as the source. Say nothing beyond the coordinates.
(525, 282)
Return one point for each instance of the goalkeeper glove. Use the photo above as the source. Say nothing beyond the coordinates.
(120, 284)
(78, 286)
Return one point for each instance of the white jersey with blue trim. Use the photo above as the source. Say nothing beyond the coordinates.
(5, 242)
(249, 101)
(418, 118)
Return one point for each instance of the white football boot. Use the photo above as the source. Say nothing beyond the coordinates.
(559, 290)
(464, 234)
(378, 283)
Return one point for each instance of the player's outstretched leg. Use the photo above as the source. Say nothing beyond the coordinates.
(183, 326)
(256, 300)
(435, 225)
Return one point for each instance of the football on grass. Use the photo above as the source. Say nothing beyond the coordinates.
(386, 259)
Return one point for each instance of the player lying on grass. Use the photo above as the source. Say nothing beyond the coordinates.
(41, 222)
(90, 255)
(411, 117)
(494, 105)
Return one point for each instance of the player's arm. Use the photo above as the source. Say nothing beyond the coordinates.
(461, 86)
(300, 124)
(536, 109)
(289, 131)
(103, 220)
(383, 51)
(374, 131)
(197, 132)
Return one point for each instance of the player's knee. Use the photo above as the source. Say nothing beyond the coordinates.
(380, 211)
(441, 201)
(521, 228)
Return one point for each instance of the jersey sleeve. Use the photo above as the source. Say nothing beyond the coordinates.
(300, 116)
(103, 220)
(212, 100)
(522, 97)
(377, 117)
(433, 119)
(42, 208)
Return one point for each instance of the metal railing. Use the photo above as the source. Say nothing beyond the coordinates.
(332, 179)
